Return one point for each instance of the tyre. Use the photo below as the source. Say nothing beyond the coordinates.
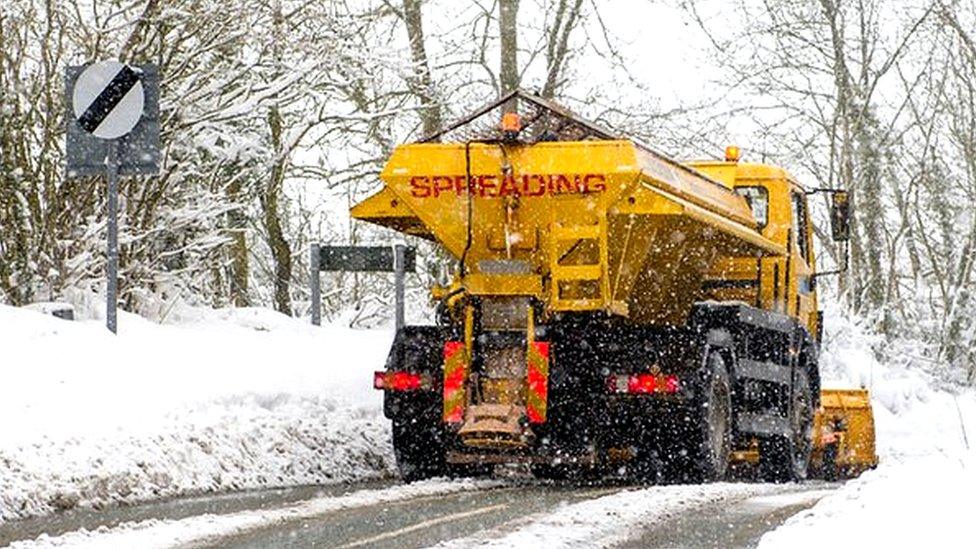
(545, 471)
(576, 401)
(787, 458)
(419, 450)
(830, 472)
(700, 452)
(455, 470)
(573, 472)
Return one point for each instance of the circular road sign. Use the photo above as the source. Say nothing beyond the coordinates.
(108, 99)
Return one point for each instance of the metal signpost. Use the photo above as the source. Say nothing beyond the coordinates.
(398, 259)
(112, 128)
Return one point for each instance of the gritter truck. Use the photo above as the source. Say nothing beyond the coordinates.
(611, 310)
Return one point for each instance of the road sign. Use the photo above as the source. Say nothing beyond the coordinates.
(364, 259)
(88, 124)
(113, 128)
(398, 259)
(108, 99)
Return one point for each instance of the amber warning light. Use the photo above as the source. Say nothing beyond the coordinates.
(511, 126)
(732, 153)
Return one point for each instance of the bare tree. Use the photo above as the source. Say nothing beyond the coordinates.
(421, 83)
(558, 49)
(508, 38)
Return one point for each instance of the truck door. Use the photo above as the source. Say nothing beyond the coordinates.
(804, 305)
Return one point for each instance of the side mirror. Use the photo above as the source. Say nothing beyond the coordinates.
(840, 216)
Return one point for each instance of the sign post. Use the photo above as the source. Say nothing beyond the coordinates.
(398, 259)
(316, 276)
(112, 251)
(399, 270)
(112, 128)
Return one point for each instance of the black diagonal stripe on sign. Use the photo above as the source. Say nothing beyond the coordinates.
(108, 99)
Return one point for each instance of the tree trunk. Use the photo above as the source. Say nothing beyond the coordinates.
(271, 198)
(871, 213)
(508, 33)
(237, 248)
(421, 84)
(270, 202)
(557, 47)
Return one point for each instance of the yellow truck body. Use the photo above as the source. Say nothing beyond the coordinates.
(608, 303)
(577, 226)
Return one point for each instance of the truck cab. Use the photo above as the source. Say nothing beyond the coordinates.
(779, 204)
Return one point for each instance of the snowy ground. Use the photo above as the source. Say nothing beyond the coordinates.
(223, 400)
(226, 400)
(920, 493)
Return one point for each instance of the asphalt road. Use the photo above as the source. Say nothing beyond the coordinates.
(419, 522)
(733, 524)
(171, 509)
(426, 520)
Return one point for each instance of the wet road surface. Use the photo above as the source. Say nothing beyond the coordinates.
(729, 524)
(420, 522)
(425, 520)
(171, 509)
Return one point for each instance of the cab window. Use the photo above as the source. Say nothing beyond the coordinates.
(758, 200)
(800, 226)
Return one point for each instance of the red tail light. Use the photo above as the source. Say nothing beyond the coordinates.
(400, 381)
(643, 384)
(671, 384)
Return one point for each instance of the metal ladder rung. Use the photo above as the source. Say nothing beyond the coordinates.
(577, 304)
(568, 273)
(575, 232)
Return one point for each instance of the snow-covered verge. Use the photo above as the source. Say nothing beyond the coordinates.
(227, 399)
(920, 493)
(921, 502)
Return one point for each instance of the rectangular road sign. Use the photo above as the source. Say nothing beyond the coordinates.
(138, 151)
(364, 259)
(398, 259)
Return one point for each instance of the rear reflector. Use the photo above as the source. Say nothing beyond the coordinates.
(542, 347)
(643, 384)
(400, 381)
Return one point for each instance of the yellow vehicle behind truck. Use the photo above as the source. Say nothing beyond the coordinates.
(843, 435)
(612, 309)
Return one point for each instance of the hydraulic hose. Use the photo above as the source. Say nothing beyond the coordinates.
(467, 173)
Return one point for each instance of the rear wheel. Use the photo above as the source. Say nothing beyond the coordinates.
(546, 471)
(419, 450)
(830, 463)
(576, 393)
(455, 470)
(787, 458)
(577, 472)
(700, 452)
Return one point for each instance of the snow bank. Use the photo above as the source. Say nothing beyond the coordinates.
(925, 434)
(923, 502)
(228, 399)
